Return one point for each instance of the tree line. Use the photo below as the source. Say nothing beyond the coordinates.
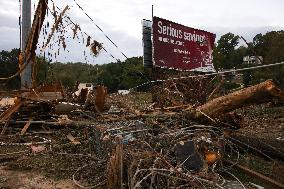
(228, 53)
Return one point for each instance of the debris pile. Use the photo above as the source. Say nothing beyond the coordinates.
(193, 91)
(182, 140)
(126, 147)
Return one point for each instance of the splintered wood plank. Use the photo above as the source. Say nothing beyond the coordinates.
(115, 165)
(25, 128)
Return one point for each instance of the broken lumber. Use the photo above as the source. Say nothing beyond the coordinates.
(27, 125)
(10, 111)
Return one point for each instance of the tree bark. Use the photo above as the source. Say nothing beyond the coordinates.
(260, 93)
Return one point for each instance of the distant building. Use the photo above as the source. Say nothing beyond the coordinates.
(123, 92)
(253, 60)
(89, 86)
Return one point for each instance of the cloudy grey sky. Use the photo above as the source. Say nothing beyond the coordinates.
(121, 21)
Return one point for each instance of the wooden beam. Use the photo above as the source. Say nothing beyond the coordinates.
(27, 125)
(10, 111)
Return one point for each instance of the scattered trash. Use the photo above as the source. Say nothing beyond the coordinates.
(38, 149)
(73, 140)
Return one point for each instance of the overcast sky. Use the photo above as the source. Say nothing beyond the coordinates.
(121, 21)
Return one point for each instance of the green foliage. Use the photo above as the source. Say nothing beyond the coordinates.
(133, 73)
(41, 67)
(120, 75)
(69, 73)
(226, 55)
(8, 67)
(227, 43)
(270, 46)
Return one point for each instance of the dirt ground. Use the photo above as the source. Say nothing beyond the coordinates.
(264, 121)
(15, 179)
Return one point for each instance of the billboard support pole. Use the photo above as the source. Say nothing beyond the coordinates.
(153, 69)
(152, 12)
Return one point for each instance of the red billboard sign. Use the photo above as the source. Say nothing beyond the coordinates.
(179, 47)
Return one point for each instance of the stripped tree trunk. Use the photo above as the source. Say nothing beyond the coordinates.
(260, 93)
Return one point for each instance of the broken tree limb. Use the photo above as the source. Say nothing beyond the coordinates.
(55, 27)
(31, 45)
(260, 93)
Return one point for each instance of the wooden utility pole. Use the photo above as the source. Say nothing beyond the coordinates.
(26, 76)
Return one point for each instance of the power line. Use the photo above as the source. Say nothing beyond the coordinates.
(89, 35)
(80, 7)
(103, 33)
(209, 74)
(84, 31)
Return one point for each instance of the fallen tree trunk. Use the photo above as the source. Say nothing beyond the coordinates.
(263, 92)
(217, 108)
